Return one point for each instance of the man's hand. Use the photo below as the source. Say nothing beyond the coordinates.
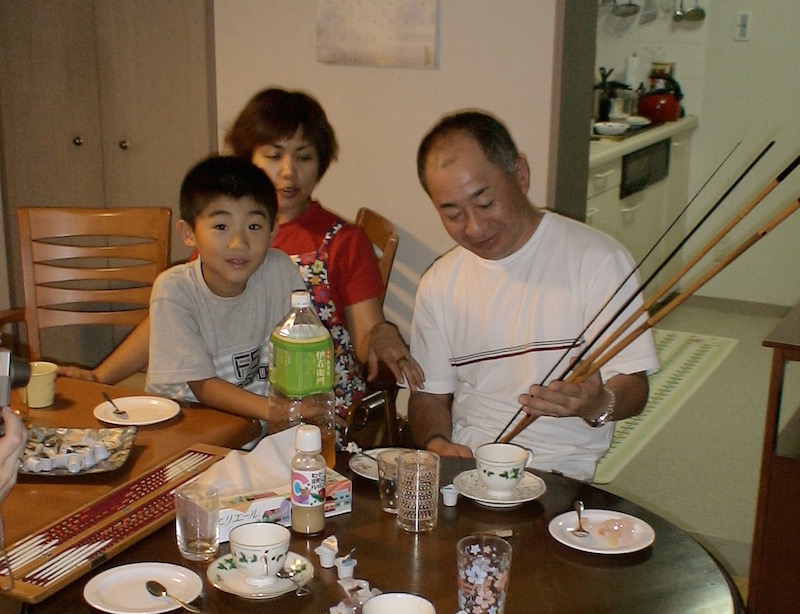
(561, 399)
(77, 373)
(443, 447)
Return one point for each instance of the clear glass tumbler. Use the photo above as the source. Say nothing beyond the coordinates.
(417, 491)
(197, 521)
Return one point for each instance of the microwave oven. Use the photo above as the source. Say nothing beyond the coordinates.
(644, 167)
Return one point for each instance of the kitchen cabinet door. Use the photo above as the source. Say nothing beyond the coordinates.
(675, 200)
(635, 222)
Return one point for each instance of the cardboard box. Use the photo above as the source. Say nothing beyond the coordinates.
(276, 505)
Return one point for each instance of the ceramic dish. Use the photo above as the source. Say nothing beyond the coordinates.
(637, 120)
(121, 590)
(140, 411)
(224, 575)
(610, 128)
(469, 484)
(52, 443)
(635, 535)
(367, 467)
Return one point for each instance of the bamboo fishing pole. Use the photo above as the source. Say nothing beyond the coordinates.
(587, 366)
(647, 282)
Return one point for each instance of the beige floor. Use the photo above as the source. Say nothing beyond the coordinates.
(701, 471)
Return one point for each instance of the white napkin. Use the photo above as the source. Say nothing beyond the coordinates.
(268, 466)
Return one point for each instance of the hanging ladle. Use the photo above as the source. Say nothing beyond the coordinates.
(624, 10)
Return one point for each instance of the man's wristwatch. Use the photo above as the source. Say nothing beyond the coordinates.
(605, 415)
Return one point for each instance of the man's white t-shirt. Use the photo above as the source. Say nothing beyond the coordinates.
(486, 330)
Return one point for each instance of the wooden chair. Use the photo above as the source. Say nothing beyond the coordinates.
(87, 266)
(383, 237)
(383, 391)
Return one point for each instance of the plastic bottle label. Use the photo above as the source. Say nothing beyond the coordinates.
(301, 367)
(308, 488)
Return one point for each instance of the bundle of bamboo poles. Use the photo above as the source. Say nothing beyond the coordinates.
(597, 353)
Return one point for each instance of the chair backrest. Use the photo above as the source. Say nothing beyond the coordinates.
(383, 237)
(89, 266)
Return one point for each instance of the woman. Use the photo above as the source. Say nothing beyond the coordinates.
(288, 136)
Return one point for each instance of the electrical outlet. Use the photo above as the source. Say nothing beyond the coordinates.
(741, 31)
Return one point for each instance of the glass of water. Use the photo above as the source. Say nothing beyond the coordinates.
(197, 521)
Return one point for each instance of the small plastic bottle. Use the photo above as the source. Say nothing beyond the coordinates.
(308, 481)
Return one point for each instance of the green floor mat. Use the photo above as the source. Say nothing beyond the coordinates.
(687, 359)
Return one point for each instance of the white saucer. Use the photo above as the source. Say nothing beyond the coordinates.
(366, 467)
(469, 484)
(121, 590)
(141, 410)
(224, 574)
(643, 533)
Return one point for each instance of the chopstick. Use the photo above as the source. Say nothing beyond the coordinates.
(587, 367)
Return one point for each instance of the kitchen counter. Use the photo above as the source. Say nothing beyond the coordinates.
(604, 150)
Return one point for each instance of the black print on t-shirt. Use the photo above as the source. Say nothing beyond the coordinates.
(247, 367)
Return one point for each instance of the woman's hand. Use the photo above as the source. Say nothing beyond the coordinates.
(387, 346)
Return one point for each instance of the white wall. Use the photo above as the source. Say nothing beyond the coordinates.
(498, 60)
(744, 91)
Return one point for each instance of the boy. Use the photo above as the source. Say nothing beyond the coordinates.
(211, 318)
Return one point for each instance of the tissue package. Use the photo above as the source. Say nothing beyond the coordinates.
(276, 505)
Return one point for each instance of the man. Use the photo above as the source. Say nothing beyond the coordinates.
(494, 315)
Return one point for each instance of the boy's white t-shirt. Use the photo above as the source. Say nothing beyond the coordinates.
(196, 335)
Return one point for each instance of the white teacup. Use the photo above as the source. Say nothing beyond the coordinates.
(259, 550)
(398, 603)
(501, 467)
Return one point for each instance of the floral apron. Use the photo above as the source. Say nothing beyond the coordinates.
(349, 384)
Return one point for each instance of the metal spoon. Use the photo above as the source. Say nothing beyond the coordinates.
(159, 590)
(288, 573)
(578, 531)
(117, 411)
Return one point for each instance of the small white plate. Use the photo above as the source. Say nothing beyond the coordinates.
(224, 575)
(637, 120)
(141, 410)
(121, 590)
(364, 466)
(469, 484)
(643, 533)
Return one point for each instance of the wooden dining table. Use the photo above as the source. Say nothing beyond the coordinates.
(39, 500)
(673, 575)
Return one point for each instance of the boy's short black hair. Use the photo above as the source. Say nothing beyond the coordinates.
(225, 176)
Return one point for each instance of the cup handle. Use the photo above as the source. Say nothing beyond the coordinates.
(529, 462)
(265, 560)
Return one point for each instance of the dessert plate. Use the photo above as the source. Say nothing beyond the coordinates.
(366, 467)
(469, 484)
(121, 590)
(633, 535)
(224, 575)
(141, 410)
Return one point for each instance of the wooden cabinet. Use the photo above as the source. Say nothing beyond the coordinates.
(102, 104)
(775, 564)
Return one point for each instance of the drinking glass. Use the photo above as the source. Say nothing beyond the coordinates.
(387, 479)
(484, 563)
(417, 491)
(197, 521)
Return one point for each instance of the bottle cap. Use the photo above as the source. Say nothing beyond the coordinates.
(300, 299)
(308, 438)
